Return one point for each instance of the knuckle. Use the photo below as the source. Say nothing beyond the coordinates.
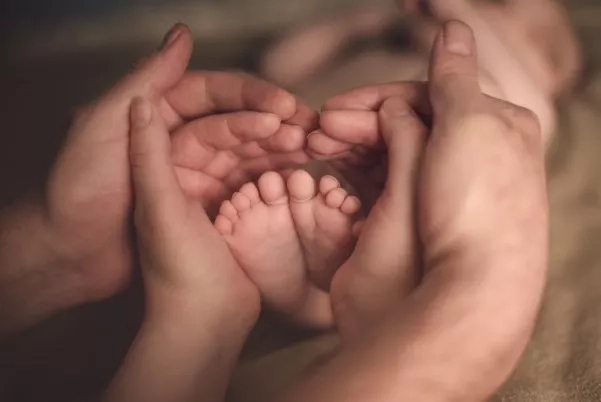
(143, 62)
(485, 121)
(525, 122)
(529, 122)
(450, 75)
(138, 157)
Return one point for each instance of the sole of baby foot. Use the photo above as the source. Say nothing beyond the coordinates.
(257, 224)
(323, 218)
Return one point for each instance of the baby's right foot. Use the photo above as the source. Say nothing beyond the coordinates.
(287, 240)
(323, 222)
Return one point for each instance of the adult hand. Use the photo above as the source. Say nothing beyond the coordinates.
(483, 221)
(482, 224)
(199, 304)
(89, 194)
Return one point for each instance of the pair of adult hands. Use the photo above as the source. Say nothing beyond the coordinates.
(479, 228)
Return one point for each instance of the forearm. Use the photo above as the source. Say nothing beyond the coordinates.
(36, 279)
(182, 353)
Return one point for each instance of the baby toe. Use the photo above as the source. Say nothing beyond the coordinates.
(228, 210)
(301, 186)
(240, 202)
(272, 188)
(251, 191)
(335, 198)
(327, 184)
(351, 205)
(223, 225)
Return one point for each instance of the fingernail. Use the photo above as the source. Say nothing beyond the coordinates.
(141, 112)
(458, 38)
(171, 36)
(395, 107)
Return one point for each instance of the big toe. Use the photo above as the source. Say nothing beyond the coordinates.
(301, 186)
(272, 188)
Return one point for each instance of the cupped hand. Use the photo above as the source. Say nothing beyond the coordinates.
(89, 197)
(480, 242)
(186, 265)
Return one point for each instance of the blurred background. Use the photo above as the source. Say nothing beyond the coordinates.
(60, 54)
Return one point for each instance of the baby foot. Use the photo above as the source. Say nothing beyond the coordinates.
(323, 222)
(264, 235)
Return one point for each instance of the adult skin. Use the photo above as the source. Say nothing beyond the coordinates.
(480, 210)
(200, 306)
(74, 245)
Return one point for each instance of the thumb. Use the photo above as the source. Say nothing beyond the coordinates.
(404, 134)
(163, 69)
(453, 69)
(393, 224)
(156, 187)
(387, 245)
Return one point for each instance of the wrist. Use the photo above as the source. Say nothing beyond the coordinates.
(227, 314)
(99, 257)
(38, 278)
(28, 219)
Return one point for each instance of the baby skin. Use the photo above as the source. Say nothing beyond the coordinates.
(290, 235)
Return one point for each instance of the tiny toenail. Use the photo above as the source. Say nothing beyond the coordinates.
(332, 178)
(337, 192)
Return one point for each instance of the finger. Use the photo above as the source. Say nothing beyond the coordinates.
(352, 126)
(405, 136)
(192, 142)
(387, 246)
(199, 185)
(322, 146)
(155, 184)
(287, 139)
(371, 97)
(162, 70)
(454, 69)
(274, 162)
(202, 93)
(305, 117)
